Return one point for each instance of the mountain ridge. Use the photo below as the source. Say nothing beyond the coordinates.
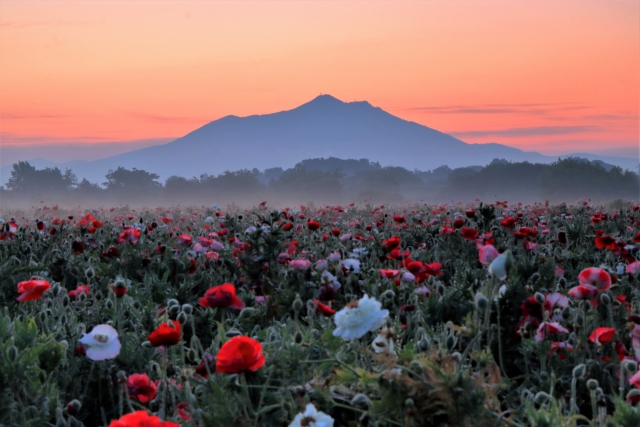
(322, 127)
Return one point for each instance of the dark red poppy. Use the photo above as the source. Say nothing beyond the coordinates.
(287, 226)
(458, 223)
(165, 334)
(313, 225)
(562, 237)
(602, 335)
(335, 232)
(222, 296)
(469, 233)
(77, 246)
(508, 222)
(240, 354)
(322, 308)
(392, 243)
(141, 388)
(399, 219)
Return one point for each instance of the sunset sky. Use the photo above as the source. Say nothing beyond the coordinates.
(101, 77)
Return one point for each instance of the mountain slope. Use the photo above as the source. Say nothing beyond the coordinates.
(323, 127)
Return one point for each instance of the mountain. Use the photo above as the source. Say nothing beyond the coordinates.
(323, 127)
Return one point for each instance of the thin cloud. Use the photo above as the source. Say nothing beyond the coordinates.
(530, 131)
(13, 116)
(522, 108)
(160, 118)
(25, 24)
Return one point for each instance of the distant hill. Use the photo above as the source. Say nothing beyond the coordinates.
(322, 128)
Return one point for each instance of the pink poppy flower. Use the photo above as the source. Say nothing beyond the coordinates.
(595, 277)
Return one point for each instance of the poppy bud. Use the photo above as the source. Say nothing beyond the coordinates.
(297, 304)
(592, 384)
(633, 393)
(423, 345)
(12, 352)
(192, 355)
(63, 319)
(360, 400)
(108, 304)
(388, 294)
(89, 272)
(631, 366)
(146, 344)
(82, 296)
(539, 298)
(297, 338)
(541, 397)
(172, 302)
(578, 371)
(182, 317)
(65, 301)
(74, 406)
(137, 305)
(457, 357)
(562, 283)
(605, 299)
(233, 332)
(55, 290)
(98, 295)
(566, 313)
(246, 312)
(187, 308)
(451, 342)
(174, 310)
(409, 403)
(481, 302)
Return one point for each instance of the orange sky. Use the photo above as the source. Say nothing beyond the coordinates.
(555, 77)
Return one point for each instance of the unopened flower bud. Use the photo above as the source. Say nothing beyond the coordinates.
(191, 355)
(74, 407)
(566, 313)
(541, 397)
(233, 332)
(635, 392)
(12, 352)
(409, 403)
(297, 338)
(187, 308)
(481, 302)
(108, 304)
(592, 384)
(605, 299)
(182, 317)
(246, 312)
(539, 298)
(65, 301)
(451, 342)
(631, 366)
(360, 400)
(172, 302)
(297, 304)
(578, 371)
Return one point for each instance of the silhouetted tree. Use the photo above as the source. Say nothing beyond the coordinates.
(26, 178)
(123, 178)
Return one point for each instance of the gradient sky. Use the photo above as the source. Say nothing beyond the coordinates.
(555, 76)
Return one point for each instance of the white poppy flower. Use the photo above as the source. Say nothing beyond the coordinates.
(352, 265)
(103, 343)
(359, 317)
(500, 266)
(311, 417)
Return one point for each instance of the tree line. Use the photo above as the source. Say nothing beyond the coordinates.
(335, 179)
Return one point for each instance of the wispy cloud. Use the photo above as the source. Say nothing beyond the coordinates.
(25, 24)
(14, 116)
(523, 108)
(161, 118)
(529, 131)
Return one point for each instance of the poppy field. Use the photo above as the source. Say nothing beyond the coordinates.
(483, 314)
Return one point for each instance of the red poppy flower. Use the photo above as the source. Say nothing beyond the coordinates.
(185, 240)
(584, 292)
(399, 219)
(141, 388)
(165, 334)
(469, 233)
(287, 226)
(596, 277)
(110, 253)
(562, 237)
(335, 232)
(222, 296)
(119, 290)
(447, 231)
(636, 238)
(32, 290)
(313, 225)
(458, 223)
(389, 274)
(239, 354)
(392, 243)
(130, 235)
(77, 246)
(322, 308)
(508, 222)
(141, 419)
(603, 242)
(81, 289)
(433, 269)
(414, 266)
(602, 335)
(470, 213)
